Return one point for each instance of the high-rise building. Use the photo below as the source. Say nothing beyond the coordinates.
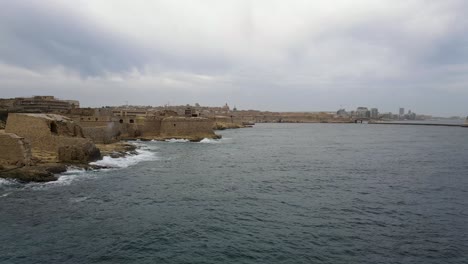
(402, 111)
(374, 113)
(362, 112)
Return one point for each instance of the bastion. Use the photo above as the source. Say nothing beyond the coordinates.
(15, 150)
(192, 128)
(53, 135)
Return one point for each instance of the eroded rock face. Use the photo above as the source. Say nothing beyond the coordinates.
(79, 153)
(14, 150)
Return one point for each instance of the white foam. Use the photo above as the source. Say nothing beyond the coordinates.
(74, 173)
(127, 161)
(63, 179)
(175, 140)
(78, 199)
(4, 195)
(5, 182)
(214, 141)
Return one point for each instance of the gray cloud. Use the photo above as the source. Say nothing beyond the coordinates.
(36, 36)
(306, 55)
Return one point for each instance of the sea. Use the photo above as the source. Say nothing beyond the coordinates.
(274, 193)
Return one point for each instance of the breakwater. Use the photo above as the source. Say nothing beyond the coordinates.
(418, 124)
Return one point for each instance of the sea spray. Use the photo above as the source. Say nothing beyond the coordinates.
(124, 162)
(174, 140)
(6, 182)
(143, 153)
(215, 141)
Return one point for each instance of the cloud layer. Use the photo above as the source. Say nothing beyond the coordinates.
(272, 55)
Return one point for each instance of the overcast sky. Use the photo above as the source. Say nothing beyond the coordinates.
(260, 54)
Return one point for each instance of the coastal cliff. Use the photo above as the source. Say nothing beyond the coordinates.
(35, 147)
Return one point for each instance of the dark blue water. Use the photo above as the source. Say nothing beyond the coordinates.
(276, 193)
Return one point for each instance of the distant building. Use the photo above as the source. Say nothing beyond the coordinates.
(342, 113)
(402, 111)
(191, 112)
(362, 112)
(388, 116)
(226, 107)
(374, 113)
(41, 104)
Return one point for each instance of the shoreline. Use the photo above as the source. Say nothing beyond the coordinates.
(50, 171)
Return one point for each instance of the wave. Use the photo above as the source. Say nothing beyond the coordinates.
(174, 140)
(127, 161)
(4, 195)
(143, 153)
(6, 182)
(63, 179)
(214, 141)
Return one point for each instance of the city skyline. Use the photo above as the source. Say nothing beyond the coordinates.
(264, 55)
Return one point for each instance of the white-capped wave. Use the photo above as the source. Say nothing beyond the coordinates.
(78, 199)
(175, 140)
(124, 162)
(4, 195)
(63, 179)
(214, 141)
(5, 182)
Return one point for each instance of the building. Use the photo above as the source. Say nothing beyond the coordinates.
(38, 104)
(402, 111)
(374, 113)
(341, 113)
(362, 112)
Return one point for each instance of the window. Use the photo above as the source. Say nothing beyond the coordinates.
(53, 128)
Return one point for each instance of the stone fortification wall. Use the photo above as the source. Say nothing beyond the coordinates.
(104, 130)
(109, 133)
(151, 127)
(46, 132)
(192, 128)
(15, 150)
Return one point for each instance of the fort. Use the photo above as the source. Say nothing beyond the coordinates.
(41, 135)
(107, 126)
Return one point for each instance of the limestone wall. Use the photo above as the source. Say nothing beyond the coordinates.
(45, 132)
(103, 130)
(181, 127)
(107, 134)
(151, 127)
(15, 150)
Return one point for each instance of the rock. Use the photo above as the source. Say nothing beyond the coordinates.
(15, 150)
(116, 150)
(225, 125)
(29, 174)
(81, 153)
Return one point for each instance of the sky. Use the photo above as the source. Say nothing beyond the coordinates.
(295, 55)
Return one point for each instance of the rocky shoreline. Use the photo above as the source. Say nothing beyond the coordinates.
(49, 171)
(38, 147)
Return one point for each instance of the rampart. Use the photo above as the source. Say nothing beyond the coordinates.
(195, 128)
(50, 132)
(108, 129)
(15, 150)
